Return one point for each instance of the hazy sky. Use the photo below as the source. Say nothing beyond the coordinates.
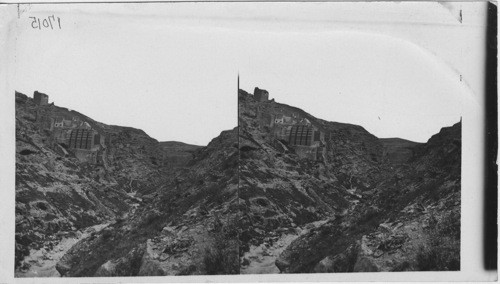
(170, 69)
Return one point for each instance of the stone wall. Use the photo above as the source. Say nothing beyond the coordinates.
(300, 135)
(81, 139)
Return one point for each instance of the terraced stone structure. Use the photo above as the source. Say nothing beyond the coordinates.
(300, 135)
(82, 139)
(87, 145)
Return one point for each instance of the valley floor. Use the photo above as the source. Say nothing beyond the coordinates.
(261, 259)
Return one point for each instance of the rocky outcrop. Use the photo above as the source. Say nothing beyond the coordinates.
(377, 195)
(57, 194)
(123, 266)
(189, 216)
(414, 223)
(305, 252)
(248, 199)
(282, 190)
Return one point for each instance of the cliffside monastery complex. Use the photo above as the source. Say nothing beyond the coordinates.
(289, 129)
(69, 133)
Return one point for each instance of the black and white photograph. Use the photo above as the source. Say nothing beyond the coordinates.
(126, 146)
(243, 141)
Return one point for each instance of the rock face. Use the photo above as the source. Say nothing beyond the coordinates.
(57, 194)
(279, 189)
(335, 199)
(375, 198)
(187, 228)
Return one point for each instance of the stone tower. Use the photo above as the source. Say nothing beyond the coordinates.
(40, 99)
(260, 95)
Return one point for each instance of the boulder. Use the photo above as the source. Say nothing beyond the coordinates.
(150, 267)
(365, 265)
(128, 265)
(63, 266)
(106, 270)
(307, 250)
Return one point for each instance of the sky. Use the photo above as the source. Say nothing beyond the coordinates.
(399, 70)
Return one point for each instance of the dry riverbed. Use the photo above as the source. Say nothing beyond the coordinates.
(42, 262)
(260, 259)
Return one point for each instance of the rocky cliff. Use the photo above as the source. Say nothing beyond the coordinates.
(59, 196)
(283, 192)
(187, 228)
(363, 204)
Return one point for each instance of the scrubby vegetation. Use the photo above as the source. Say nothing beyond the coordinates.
(442, 251)
(222, 256)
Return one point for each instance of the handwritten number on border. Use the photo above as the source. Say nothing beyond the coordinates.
(46, 23)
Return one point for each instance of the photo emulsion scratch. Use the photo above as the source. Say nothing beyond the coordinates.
(169, 139)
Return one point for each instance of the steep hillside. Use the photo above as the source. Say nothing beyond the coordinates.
(56, 195)
(60, 193)
(397, 150)
(411, 222)
(341, 199)
(188, 228)
(283, 192)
